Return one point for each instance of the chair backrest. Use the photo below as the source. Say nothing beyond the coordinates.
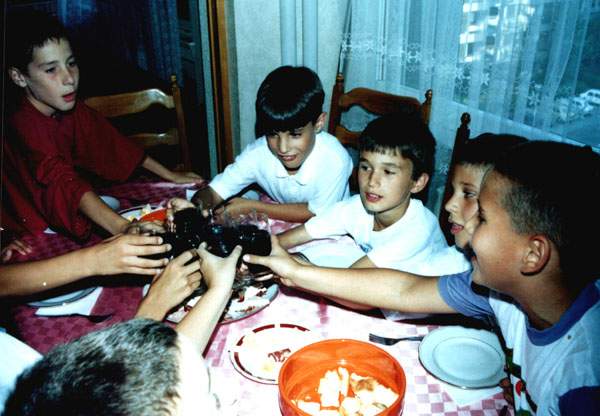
(462, 136)
(118, 105)
(375, 102)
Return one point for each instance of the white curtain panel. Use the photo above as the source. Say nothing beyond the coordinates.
(512, 64)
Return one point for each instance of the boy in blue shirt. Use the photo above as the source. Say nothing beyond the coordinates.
(530, 247)
(294, 161)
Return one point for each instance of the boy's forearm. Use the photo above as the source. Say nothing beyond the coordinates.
(156, 168)
(100, 213)
(285, 212)
(381, 288)
(294, 237)
(37, 276)
(199, 324)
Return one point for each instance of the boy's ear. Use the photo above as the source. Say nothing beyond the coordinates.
(537, 255)
(320, 122)
(420, 183)
(17, 77)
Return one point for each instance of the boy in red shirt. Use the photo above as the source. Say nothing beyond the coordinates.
(51, 136)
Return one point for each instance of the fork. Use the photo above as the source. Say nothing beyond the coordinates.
(391, 341)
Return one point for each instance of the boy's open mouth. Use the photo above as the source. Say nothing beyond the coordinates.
(455, 228)
(372, 197)
(69, 97)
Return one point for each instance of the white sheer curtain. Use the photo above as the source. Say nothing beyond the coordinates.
(510, 63)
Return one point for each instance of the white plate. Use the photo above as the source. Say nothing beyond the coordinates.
(62, 299)
(260, 353)
(463, 357)
(137, 212)
(235, 310)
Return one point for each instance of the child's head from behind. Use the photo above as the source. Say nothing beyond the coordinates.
(289, 112)
(40, 61)
(396, 161)
(538, 212)
(135, 367)
(472, 161)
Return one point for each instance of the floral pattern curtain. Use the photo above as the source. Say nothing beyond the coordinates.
(512, 64)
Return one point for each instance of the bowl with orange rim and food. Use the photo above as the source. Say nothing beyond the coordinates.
(341, 376)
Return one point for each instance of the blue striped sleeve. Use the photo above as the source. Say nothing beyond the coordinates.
(457, 292)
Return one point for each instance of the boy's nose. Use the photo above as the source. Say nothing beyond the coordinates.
(450, 205)
(282, 145)
(67, 77)
(373, 179)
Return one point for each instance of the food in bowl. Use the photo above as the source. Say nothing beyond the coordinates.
(374, 369)
(348, 394)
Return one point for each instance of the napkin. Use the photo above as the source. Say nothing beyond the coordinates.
(81, 306)
(464, 397)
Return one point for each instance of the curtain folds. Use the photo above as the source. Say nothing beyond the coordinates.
(514, 65)
(141, 32)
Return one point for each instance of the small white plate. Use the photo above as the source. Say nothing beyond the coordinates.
(464, 357)
(62, 299)
(260, 353)
(235, 310)
(137, 212)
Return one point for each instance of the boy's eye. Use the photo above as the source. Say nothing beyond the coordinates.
(363, 166)
(469, 194)
(50, 70)
(389, 172)
(72, 63)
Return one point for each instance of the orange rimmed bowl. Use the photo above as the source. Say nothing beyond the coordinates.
(300, 374)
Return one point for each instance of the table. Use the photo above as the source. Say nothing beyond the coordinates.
(424, 395)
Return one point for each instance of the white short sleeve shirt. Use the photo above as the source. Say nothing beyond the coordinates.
(321, 181)
(414, 243)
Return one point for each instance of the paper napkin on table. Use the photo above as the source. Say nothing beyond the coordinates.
(464, 397)
(81, 306)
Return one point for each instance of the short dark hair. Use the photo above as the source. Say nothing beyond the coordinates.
(288, 98)
(553, 191)
(27, 30)
(130, 368)
(405, 133)
(486, 148)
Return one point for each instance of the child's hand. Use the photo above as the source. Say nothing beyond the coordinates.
(174, 205)
(171, 287)
(186, 177)
(236, 207)
(19, 246)
(218, 272)
(123, 254)
(144, 227)
(279, 261)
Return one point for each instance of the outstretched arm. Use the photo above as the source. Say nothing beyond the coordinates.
(218, 273)
(285, 212)
(176, 177)
(293, 237)
(382, 288)
(116, 255)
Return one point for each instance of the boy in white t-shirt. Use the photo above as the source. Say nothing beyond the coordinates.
(296, 163)
(390, 228)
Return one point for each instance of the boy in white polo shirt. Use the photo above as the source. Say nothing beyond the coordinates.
(296, 163)
(390, 228)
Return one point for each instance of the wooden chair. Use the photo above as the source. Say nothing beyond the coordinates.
(375, 102)
(462, 136)
(132, 103)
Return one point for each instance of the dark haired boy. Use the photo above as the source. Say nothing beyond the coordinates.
(391, 229)
(531, 247)
(294, 161)
(51, 136)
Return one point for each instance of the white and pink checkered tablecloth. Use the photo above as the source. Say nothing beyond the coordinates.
(424, 395)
